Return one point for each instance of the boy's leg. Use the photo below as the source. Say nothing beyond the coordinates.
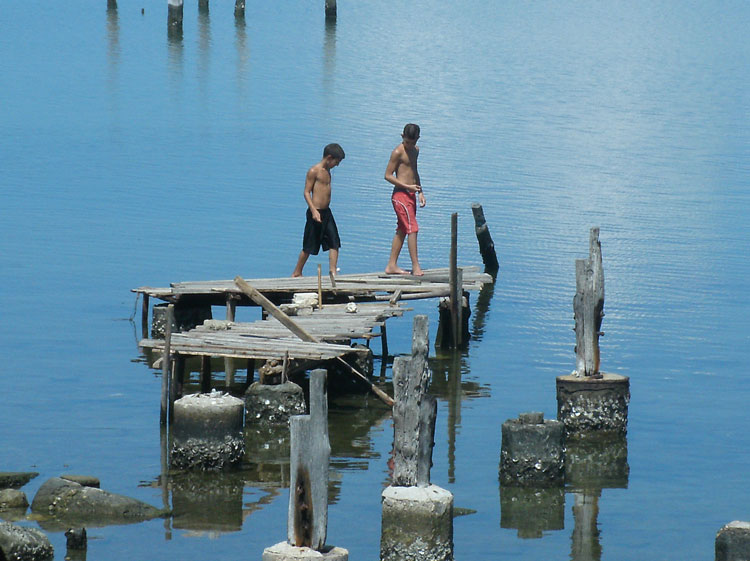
(398, 241)
(303, 255)
(412, 243)
(333, 257)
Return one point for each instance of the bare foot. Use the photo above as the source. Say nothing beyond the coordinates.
(296, 274)
(418, 273)
(395, 271)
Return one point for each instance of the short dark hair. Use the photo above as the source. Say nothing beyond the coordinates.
(335, 151)
(411, 131)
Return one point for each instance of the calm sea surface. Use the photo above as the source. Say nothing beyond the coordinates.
(127, 159)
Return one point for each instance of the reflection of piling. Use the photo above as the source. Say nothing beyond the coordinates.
(207, 502)
(486, 245)
(532, 452)
(733, 542)
(207, 431)
(308, 491)
(585, 542)
(532, 510)
(597, 463)
(417, 521)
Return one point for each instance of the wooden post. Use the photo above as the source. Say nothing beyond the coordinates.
(410, 380)
(166, 365)
(486, 245)
(455, 282)
(310, 456)
(203, 6)
(205, 374)
(174, 17)
(427, 417)
(320, 289)
(144, 316)
(111, 4)
(250, 372)
(330, 9)
(588, 308)
(384, 343)
(231, 307)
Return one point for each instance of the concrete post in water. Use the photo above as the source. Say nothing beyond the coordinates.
(733, 542)
(174, 18)
(532, 452)
(275, 404)
(207, 431)
(203, 6)
(589, 400)
(486, 245)
(417, 521)
(307, 520)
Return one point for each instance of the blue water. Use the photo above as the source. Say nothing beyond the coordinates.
(127, 159)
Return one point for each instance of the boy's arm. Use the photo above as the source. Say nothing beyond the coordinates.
(390, 174)
(309, 184)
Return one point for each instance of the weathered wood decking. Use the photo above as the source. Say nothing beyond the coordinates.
(268, 339)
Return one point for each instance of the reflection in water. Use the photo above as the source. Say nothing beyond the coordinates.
(481, 310)
(532, 510)
(447, 370)
(207, 501)
(243, 53)
(113, 49)
(329, 57)
(590, 466)
(204, 48)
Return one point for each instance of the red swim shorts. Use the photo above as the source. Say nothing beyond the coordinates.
(405, 205)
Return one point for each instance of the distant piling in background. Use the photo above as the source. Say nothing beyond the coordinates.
(417, 522)
(486, 245)
(239, 9)
(589, 400)
(174, 18)
(111, 4)
(202, 6)
(307, 519)
(330, 9)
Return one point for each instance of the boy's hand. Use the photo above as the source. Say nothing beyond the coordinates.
(422, 200)
(315, 215)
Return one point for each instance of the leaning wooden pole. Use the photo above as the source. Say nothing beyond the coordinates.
(486, 245)
(300, 332)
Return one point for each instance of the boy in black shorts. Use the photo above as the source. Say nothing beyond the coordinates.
(320, 228)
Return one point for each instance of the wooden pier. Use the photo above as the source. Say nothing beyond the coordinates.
(348, 307)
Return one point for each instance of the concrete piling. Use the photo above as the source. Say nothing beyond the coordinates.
(330, 9)
(733, 542)
(207, 432)
(274, 404)
(185, 318)
(174, 18)
(532, 452)
(587, 405)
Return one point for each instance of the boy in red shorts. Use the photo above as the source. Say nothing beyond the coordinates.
(402, 173)
(320, 228)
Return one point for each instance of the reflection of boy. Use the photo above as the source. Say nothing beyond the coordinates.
(402, 173)
(320, 227)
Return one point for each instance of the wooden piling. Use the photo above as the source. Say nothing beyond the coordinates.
(166, 365)
(310, 457)
(203, 6)
(486, 245)
(205, 374)
(455, 280)
(588, 308)
(231, 307)
(410, 380)
(144, 316)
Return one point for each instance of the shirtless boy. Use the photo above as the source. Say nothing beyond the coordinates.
(320, 228)
(402, 173)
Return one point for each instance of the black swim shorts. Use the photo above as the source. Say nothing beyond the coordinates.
(323, 233)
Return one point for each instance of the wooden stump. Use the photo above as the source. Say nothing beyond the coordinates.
(486, 245)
